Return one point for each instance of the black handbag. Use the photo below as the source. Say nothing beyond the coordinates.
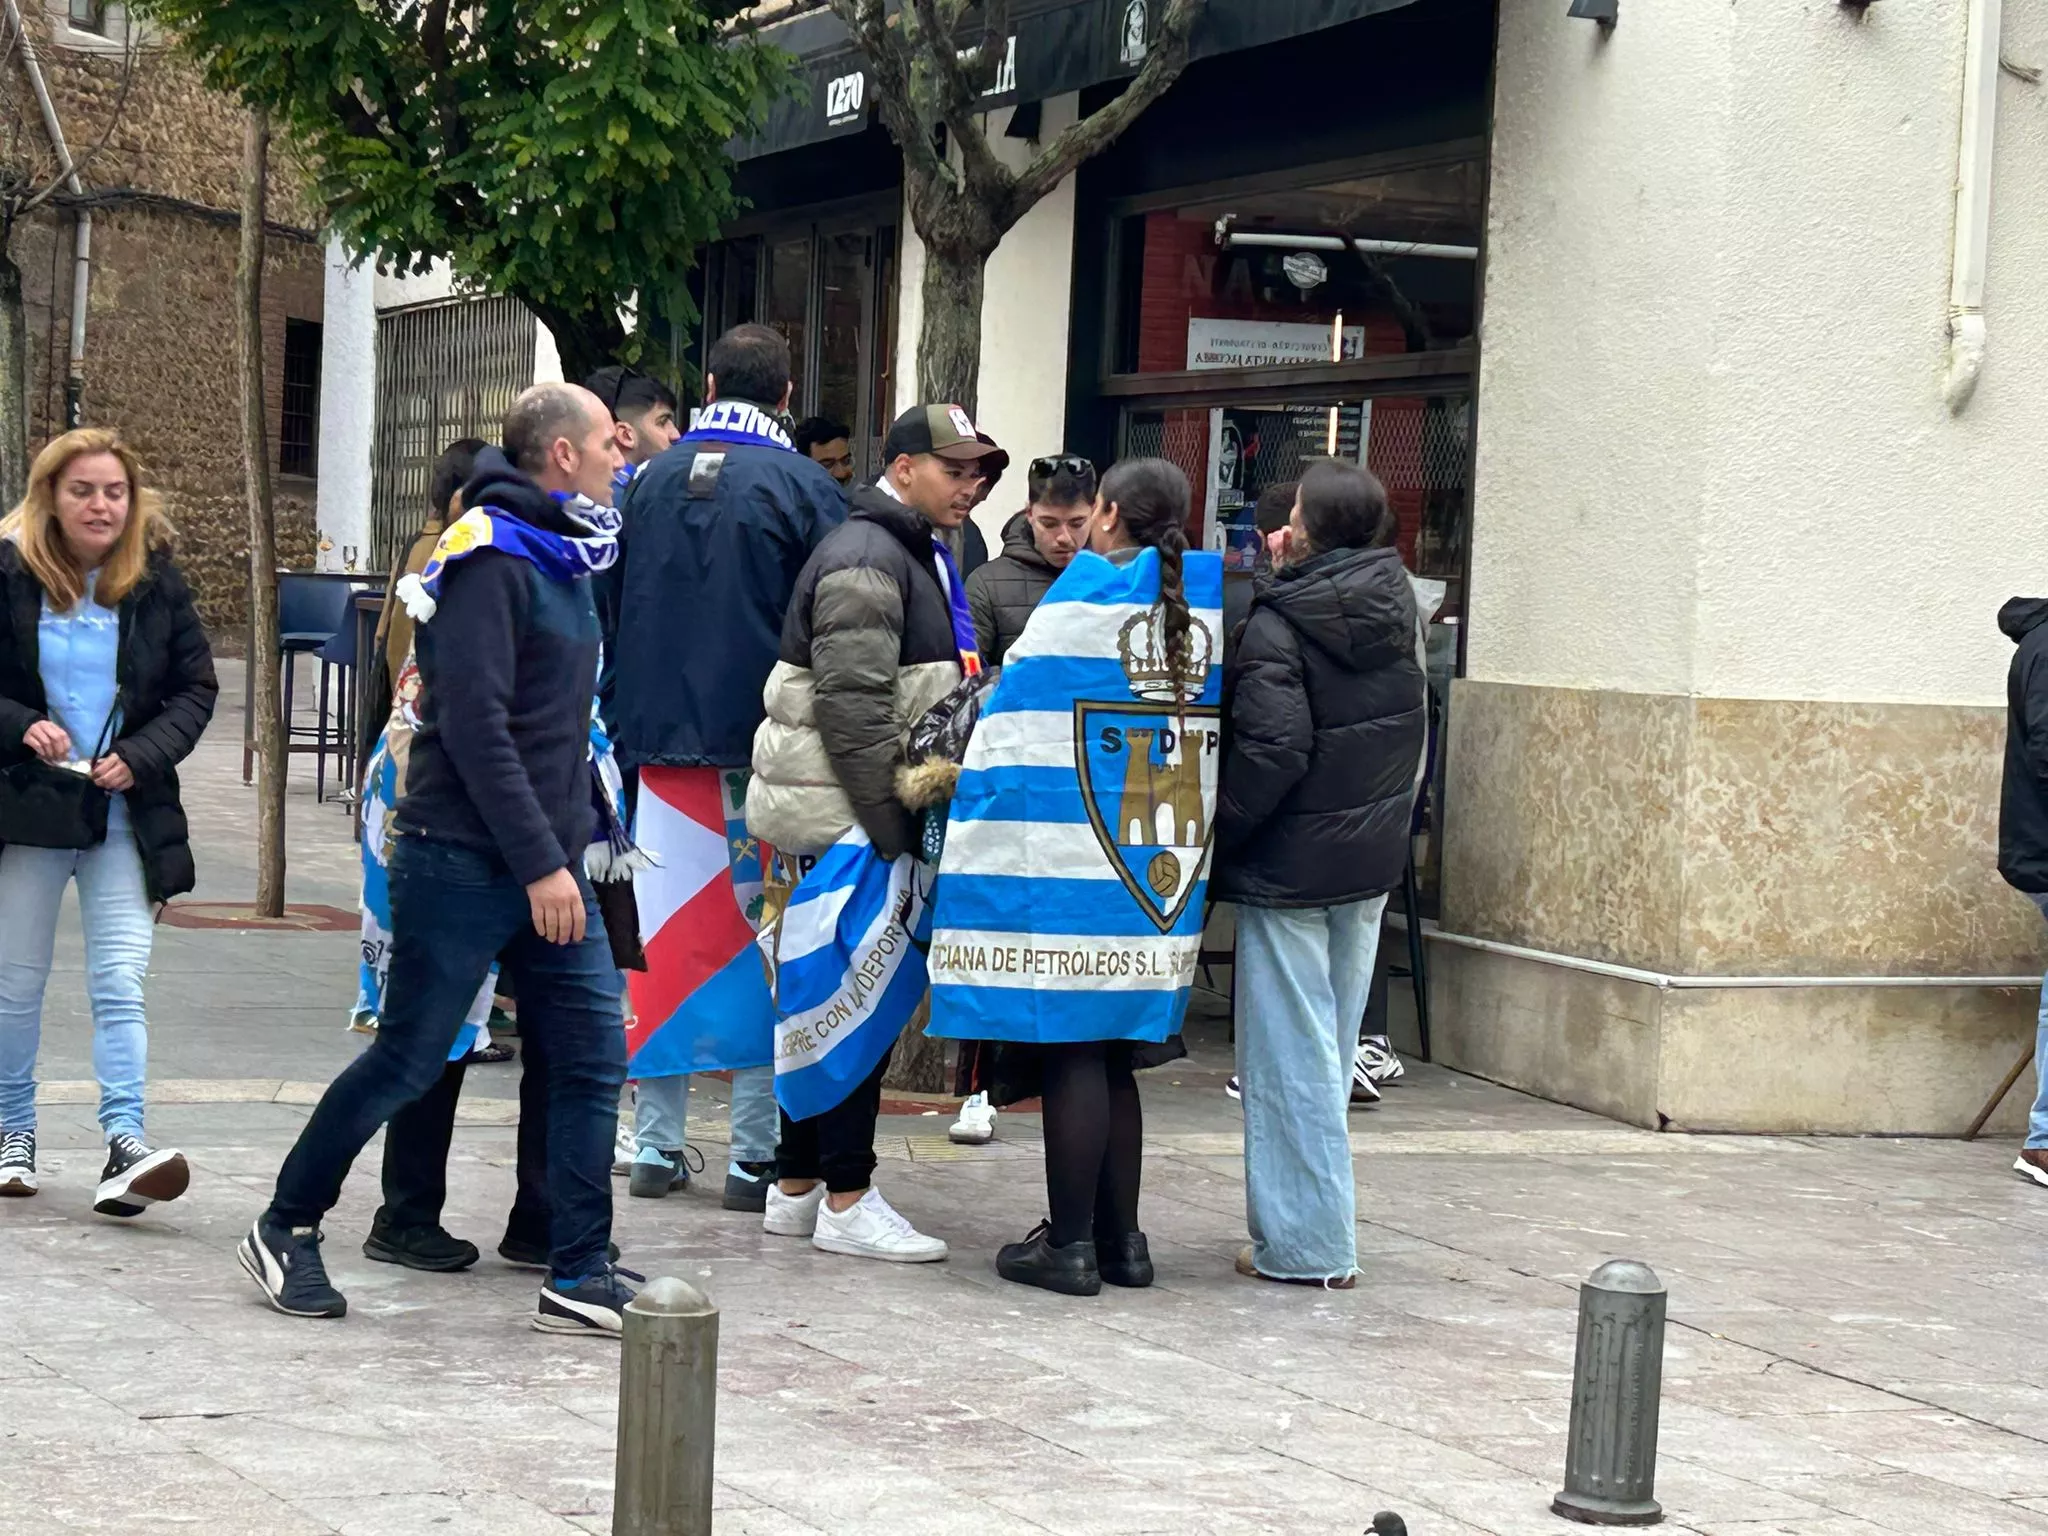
(45, 806)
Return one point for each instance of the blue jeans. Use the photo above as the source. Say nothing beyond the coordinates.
(453, 911)
(2037, 1122)
(661, 1110)
(113, 907)
(1303, 976)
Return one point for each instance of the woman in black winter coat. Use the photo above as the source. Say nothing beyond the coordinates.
(1325, 723)
(106, 683)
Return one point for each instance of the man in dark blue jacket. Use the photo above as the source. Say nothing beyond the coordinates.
(716, 531)
(497, 812)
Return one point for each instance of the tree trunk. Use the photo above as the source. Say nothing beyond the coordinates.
(919, 1065)
(13, 387)
(267, 728)
(949, 340)
(585, 340)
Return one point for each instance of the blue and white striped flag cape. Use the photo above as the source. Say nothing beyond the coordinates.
(1069, 901)
(847, 959)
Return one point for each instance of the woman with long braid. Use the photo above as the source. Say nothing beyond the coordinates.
(1070, 894)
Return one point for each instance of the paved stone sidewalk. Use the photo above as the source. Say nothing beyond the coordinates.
(1856, 1344)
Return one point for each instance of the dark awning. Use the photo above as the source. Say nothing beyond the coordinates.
(1057, 46)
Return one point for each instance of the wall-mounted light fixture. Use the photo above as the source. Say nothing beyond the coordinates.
(1606, 12)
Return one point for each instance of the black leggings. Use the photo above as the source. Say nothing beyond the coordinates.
(1094, 1141)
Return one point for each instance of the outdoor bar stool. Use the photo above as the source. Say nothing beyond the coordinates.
(339, 653)
(311, 611)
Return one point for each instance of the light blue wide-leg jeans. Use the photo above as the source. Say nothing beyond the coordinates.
(1303, 976)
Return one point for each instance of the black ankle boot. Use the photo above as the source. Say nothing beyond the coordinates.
(1070, 1270)
(1126, 1260)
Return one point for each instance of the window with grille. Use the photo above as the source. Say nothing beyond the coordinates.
(89, 16)
(445, 370)
(298, 430)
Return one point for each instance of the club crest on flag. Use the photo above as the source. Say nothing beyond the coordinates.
(1148, 770)
(1148, 774)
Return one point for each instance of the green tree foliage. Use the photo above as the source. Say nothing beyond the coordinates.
(570, 153)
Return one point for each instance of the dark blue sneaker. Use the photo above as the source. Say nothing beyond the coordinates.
(596, 1304)
(285, 1264)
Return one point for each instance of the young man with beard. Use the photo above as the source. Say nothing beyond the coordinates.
(878, 633)
(499, 807)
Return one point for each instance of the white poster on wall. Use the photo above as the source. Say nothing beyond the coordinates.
(1214, 343)
(1219, 343)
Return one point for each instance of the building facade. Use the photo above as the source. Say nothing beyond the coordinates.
(1646, 327)
(163, 194)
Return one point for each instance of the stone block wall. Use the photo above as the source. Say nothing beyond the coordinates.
(161, 352)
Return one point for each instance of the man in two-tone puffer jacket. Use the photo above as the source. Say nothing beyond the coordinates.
(879, 631)
(868, 646)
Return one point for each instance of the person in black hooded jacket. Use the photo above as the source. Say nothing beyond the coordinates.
(2023, 821)
(1325, 719)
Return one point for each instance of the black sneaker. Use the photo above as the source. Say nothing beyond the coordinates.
(433, 1249)
(285, 1264)
(137, 1176)
(522, 1254)
(655, 1172)
(596, 1305)
(1125, 1261)
(746, 1186)
(18, 1163)
(1070, 1270)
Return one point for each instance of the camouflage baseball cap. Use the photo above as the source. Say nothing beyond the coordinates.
(944, 430)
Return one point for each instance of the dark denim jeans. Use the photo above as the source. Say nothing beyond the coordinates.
(453, 911)
(416, 1147)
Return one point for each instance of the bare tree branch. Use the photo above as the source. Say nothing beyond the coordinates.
(1099, 130)
(869, 24)
(959, 94)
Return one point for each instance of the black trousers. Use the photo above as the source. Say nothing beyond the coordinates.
(418, 1139)
(839, 1145)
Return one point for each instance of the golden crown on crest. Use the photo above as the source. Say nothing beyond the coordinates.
(1141, 647)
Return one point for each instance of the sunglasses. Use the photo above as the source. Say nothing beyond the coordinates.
(1062, 464)
(619, 388)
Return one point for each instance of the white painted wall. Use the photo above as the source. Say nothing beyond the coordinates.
(395, 290)
(1026, 310)
(547, 357)
(348, 407)
(1713, 453)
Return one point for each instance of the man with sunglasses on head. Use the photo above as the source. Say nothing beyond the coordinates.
(1038, 543)
(643, 413)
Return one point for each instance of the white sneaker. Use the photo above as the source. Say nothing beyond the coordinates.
(792, 1215)
(1376, 1061)
(625, 1148)
(873, 1229)
(976, 1126)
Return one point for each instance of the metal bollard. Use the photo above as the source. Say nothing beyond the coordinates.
(1610, 1466)
(668, 1406)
